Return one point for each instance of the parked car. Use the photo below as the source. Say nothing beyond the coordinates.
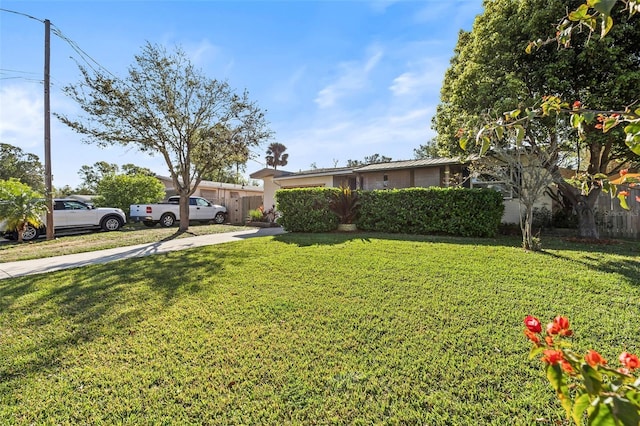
(71, 214)
(167, 214)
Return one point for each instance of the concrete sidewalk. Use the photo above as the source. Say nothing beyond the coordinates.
(49, 264)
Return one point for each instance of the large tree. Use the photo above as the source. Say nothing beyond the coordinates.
(23, 166)
(491, 73)
(164, 106)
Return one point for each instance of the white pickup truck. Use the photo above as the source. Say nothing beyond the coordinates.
(71, 214)
(167, 214)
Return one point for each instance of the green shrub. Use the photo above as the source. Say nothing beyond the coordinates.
(306, 209)
(452, 211)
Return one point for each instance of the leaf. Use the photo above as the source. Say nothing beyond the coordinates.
(600, 415)
(579, 406)
(535, 351)
(589, 117)
(609, 124)
(580, 14)
(592, 379)
(623, 201)
(624, 411)
(607, 24)
(486, 144)
(555, 377)
(576, 120)
(633, 137)
(463, 143)
(602, 6)
(499, 132)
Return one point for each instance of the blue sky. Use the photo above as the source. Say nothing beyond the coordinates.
(339, 79)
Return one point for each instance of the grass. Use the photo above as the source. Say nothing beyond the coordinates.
(131, 234)
(309, 329)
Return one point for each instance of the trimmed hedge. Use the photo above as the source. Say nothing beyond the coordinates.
(453, 211)
(306, 210)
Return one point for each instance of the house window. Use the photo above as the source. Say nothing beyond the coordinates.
(385, 181)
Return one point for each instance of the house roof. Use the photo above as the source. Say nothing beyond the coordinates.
(263, 173)
(219, 185)
(336, 171)
(409, 164)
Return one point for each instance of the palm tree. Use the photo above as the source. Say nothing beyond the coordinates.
(276, 156)
(20, 207)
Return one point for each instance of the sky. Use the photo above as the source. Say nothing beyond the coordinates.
(339, 80)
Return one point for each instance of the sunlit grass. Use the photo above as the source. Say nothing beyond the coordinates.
(309, 329)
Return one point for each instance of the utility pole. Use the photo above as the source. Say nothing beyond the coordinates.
(47, 129)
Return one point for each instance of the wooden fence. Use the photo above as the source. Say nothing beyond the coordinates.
(238, 208)
(615, 222)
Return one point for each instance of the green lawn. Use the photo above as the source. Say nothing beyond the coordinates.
(309, 329)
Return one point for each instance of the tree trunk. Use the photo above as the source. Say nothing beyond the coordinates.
(525, 227)
(583, 205)
(184, 212)
(586, 219)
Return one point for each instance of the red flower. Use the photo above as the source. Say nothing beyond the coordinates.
(593, 358)
(577, 104)
(552, 356)
(533, 324)
(638, 198)
(624, 193)
(560, 325)
(630, 361)
(624, 172)
(532, 336)
(598, 126)
(549, 340)
(566, 366)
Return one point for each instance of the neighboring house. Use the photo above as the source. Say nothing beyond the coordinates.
(439, 172)
(238, 199)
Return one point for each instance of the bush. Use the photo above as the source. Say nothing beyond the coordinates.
(453, 211)
(306, 210)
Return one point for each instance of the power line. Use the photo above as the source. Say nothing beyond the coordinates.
(23, 14)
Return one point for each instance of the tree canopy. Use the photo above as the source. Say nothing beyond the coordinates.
(164, 106)
(491, 73)
(25, 167)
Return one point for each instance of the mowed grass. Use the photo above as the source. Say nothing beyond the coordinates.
(131, 234)
(309, 329)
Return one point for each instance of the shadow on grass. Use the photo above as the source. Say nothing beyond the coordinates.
(61, 310)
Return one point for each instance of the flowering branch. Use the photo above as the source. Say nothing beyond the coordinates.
(608, 396)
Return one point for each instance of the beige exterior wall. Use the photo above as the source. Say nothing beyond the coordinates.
(270, 188)
(427, 177)
(512, 208)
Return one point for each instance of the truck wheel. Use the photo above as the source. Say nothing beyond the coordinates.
(31, 233)
(219, 218)
(111, 223)
(167, 220)
(149, 223)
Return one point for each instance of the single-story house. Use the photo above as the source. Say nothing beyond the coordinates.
(424, 173)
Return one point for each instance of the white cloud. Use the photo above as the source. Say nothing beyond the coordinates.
(353, 77)
(21, 116)
(202, 52)
(425, 76)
